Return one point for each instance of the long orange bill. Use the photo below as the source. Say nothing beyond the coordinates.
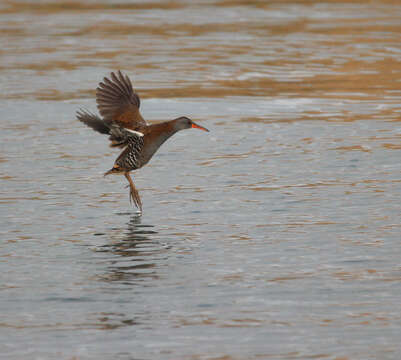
(196, 126)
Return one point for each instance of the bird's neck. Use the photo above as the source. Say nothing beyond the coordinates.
(162, 131)
(156, 135)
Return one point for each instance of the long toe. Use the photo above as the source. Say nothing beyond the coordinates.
(135, 198)
(133, 194)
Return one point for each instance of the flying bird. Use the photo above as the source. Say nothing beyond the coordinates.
(118, 105)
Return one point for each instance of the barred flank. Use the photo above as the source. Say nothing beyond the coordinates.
(129, 158)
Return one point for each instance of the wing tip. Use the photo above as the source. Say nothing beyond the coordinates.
(115, 94)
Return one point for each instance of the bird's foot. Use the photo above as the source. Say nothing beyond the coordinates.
(135, 198)
(133, 194)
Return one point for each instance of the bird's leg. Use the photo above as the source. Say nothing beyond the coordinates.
(133, 195)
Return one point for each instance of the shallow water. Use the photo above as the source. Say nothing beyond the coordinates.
(274, 236)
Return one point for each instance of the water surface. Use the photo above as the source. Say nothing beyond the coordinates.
(274, 236)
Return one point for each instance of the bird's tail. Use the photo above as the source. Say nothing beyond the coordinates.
(93, 121)
(114, 170)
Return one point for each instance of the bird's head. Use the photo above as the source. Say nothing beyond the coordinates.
(183, 122)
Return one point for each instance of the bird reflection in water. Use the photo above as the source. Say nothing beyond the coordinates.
(136, 254)
(133, 256)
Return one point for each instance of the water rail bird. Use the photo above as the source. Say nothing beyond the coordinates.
(118, 105)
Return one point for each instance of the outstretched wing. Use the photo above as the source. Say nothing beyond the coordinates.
(93, 121)
(118, 103)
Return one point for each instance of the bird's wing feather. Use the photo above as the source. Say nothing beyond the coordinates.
(93, 121)
(121, 137)
(118, 103)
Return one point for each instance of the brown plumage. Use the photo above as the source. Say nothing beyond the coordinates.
(121, 119)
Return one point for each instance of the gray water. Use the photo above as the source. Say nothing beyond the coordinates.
(274, 236)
